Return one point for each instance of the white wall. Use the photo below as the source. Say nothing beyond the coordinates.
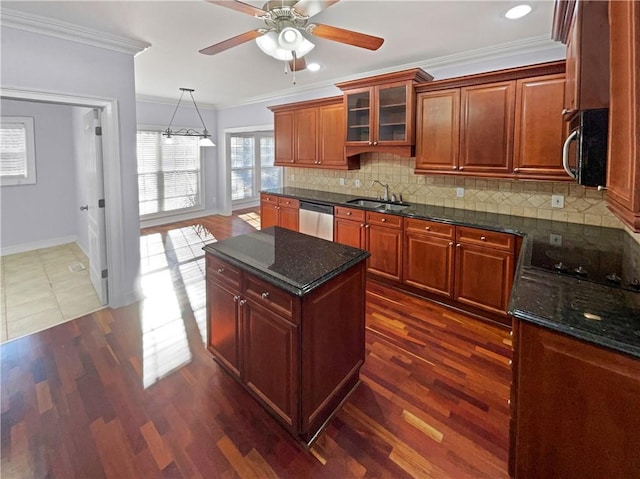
(42, 214)
(36, 62)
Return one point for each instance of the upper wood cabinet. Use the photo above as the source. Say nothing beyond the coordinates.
(380, 112)
(311, 134)
(584, 27)
(539, 128)
(490, 124)
(623, 168)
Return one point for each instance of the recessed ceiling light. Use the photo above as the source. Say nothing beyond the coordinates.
(518, 12)
(313, 67)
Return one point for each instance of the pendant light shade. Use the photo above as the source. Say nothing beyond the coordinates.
(290, 38)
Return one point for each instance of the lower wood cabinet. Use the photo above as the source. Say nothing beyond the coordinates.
(378, 233)
(299, 356)
(575, 408)
(279, 211)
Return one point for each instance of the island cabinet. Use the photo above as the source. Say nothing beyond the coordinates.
(279, 211)
(285, 317)
(490, 125)
(380, 112)
(378, 233)
(623, 162)
(575, 412)
(311, 134)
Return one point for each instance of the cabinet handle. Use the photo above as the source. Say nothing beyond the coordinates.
(363, 225)
(428, 228)
(384, 220)
(565, 111)
(601, 188)
(236, 298)
(319, 162)
(510, 362)
(461, 168)
(370, 143)
(265, 295)
(458, 245)
(450, 243)
(454, 167)
(242, 302)
(291, 161)
(375, 143)
(348, 213)
(483, 238)
(366, 226)
(220, 270)
(515, 170)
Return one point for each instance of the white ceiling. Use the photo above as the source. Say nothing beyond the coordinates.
(416, 33)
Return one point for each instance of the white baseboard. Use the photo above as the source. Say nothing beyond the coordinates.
(165, 220)
(23, 248)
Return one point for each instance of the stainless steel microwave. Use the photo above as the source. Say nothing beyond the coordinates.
(587, 162)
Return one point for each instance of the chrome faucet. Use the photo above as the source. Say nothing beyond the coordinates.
(386, 189)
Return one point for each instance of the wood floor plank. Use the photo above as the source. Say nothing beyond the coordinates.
(79, 400)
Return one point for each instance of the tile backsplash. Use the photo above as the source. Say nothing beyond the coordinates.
(519, 198)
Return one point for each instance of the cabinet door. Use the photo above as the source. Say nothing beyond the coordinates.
(577, 413)
(487, 128)
(394, 114)
(539, 131)
(289, 218)
(359, 114)
(283, 133)
(348, 232)
(270, 361)
(483, 277)
(385, 246)
(428, 263)
(571, 84)
(223, 325)
(268, 215)
(331, 135)
(623, 166)
(438, 130)
(306, 136)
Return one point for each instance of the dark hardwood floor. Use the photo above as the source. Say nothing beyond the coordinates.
(133, 393)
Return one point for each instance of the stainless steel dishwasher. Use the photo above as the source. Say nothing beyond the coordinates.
(316, 220)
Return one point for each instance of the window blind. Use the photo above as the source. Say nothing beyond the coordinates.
(252, 155)
(13, 150)
(169, 175)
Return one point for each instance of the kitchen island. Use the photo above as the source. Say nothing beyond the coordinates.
(286, 318)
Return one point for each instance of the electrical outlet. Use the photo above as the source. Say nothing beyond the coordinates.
(460, 192)
(341, 181)
(357, 183)
(555, 239)
(557, 201)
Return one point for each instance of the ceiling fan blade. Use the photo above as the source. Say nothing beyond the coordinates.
(231, 42)
(309, 8)
(298, 64)
(240, 7)
(349, 37)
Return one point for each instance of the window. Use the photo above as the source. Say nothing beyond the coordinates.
(17, 151)
(252, 156)
(169, 175)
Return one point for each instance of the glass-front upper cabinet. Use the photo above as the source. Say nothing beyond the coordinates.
(380, 111)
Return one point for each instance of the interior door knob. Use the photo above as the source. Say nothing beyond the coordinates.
(84, 208)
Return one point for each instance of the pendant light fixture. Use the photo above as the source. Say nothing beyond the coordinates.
(205, 137)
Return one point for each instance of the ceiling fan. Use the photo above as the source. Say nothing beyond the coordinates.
(285, 22)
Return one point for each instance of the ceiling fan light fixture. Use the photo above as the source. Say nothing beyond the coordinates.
(268, 42)
(305, 47)
(290, 38)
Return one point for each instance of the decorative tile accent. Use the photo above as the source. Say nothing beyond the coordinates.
(521, 198)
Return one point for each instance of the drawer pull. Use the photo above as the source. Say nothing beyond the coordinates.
(236, 298)
(265, 295)
(454, 167)
(483, 238)
(362, 225)
(348, 213)
(383, 220)
(510, 362)
(428, 228)
(242, 302)
(461, 168)
(450, 243)
(220, 270)
(458, 245)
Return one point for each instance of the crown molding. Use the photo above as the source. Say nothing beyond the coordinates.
(69, 31)
(538, 44)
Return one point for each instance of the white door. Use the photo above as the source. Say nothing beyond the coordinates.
(95, 203)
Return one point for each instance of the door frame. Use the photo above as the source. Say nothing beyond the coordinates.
(111, 169)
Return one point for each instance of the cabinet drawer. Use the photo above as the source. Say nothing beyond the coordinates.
(268, 295)
(271, 199)
(431, 227)
(348, 213)
(288, 202)
(221, 270)
(492, 239)
(391, 221)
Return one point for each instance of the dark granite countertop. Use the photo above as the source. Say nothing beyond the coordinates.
(569, 304)
(292, 261)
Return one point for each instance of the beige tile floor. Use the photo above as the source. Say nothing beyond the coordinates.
(39, 290)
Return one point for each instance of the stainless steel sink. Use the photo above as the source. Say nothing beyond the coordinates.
(378, 205)
(367, 203)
